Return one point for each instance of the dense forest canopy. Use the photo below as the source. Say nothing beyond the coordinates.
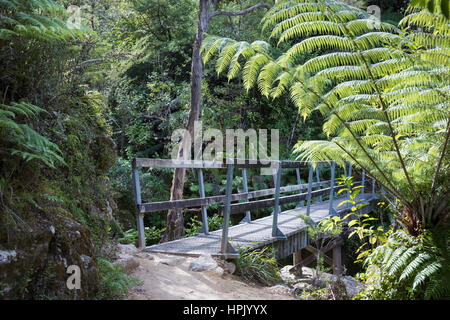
(87, 85)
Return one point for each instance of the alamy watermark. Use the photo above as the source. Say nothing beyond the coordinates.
(248, 146)
(74, 280)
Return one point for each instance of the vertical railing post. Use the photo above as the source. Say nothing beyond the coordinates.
(277, 209)
(373, 195)
(248, 216)
(308, 199)
(318, 181)
(363, 178)
(333, 172)
(275, 177)
(205, 228)
(299, 181)
(226, 218)
(138, 201)
(373, 186)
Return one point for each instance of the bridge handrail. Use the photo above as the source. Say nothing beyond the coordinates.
(205, 201)
(207, 164)
(228, 208)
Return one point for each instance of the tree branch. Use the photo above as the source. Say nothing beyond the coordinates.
(239, 13)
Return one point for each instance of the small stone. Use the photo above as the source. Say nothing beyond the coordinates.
(127, 263)
(280, 289)
(202, 263)
(86, 260)
(288, 277)
(173, 261)
(7, 256)
(219, 271)
(229, 266)
(144, 255)
(128, 248)
(352, 286)
(303, 286)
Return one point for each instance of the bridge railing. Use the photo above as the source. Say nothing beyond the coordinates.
(244, 205)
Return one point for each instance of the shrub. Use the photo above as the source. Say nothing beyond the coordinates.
(152, 236)
(258, 265)
(408, 267)
(114, 283)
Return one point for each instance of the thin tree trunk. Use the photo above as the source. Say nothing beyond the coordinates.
(175, 219)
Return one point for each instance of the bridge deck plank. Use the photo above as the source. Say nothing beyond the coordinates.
(256, 233)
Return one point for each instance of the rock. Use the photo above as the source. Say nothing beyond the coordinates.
(217, 271)
(287, 277)
(230, 267)
(352, 286)
(7, 256)
(337, 290)
(128, 248)
(172, 261)
(144, 255)
(303, 286)
(206, 263)
(202, 263)
(127, 263)
(280, 289)
(86, 260)
(35, 263)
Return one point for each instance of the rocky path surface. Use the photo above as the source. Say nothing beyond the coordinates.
(170, 277)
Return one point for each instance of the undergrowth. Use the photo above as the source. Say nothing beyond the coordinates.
(258, 265)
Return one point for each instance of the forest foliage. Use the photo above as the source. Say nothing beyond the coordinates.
(78, 101)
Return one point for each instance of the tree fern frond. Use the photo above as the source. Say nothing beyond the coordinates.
(426, 273)
(252, 68)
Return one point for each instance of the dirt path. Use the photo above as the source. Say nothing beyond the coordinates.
(167, 277)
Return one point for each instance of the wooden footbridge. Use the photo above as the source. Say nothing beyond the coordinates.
(284, 231)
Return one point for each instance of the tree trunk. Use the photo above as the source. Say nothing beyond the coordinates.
(175, 219)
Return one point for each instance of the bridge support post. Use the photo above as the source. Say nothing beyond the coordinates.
(275, 179)
(139, 215)
(226, 248)
(337, 260)
(310, 181)
(349, 175)
(333, 173)
(363, 178)
(299, 181)
(318, 180)
(276, 233)
(247, 217)
(205, 228)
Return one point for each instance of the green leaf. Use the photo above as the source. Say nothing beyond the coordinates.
(353, 222)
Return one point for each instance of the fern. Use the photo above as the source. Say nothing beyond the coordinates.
(413, 265)
(38, 19)
(20, 140)
(381, 88)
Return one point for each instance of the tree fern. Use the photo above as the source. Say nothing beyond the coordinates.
(415, 266)
(37, 19)
(20, 140)
(381, 87)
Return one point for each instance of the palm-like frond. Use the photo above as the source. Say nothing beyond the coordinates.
(384, 91)
(23, 140)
